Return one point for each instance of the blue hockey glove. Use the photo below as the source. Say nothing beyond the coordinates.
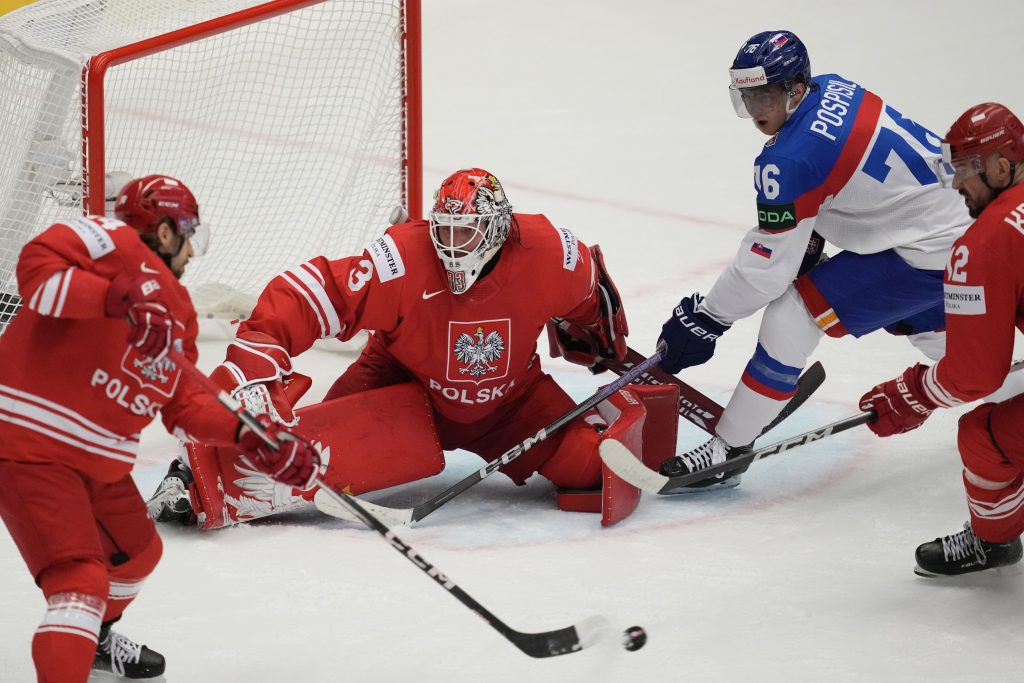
(689, 336)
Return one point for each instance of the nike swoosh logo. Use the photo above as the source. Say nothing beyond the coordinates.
(146, 269)
(432, 294)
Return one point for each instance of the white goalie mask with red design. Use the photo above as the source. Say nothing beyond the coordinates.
(468, 224)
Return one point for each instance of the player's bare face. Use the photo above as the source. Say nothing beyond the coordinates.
(181, 259)
(976, 194)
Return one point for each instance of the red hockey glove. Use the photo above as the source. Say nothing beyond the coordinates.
(140, 300)
(589, 344)
(900, 403)
(295, 463)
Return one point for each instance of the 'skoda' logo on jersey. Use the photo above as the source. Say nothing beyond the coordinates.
(776, 217)
(478, 350)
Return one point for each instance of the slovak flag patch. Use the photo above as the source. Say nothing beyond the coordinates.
(761, 250)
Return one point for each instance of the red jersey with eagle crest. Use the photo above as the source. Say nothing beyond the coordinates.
(72, 389)
(472, 351)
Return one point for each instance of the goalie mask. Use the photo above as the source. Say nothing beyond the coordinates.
(468, 224)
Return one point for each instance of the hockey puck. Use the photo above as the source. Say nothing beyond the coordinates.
(633, 638)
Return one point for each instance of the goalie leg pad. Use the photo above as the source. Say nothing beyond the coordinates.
(576, 465)
(644, 419)
(367, 441)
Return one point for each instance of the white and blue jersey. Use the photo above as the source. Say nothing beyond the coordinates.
(857, 172)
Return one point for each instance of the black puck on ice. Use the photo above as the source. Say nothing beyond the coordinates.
(633, 638)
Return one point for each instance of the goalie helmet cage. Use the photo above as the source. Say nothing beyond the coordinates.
(296, 123)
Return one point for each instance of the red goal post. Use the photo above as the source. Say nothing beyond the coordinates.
(297, 123)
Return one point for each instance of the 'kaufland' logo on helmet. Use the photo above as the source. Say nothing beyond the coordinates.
(478, 350)
(748, 78)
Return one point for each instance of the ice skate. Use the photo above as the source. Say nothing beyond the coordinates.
(171, 502)
(124, 658)
(964, 553)
(712, 452)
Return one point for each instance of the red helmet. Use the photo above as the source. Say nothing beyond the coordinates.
(146, 202)
(469, 222)
(983, 130)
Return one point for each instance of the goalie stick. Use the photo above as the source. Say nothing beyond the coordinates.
(406, 516)
(543, 644)
(620, 460)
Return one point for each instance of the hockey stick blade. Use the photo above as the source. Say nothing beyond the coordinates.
(620, 460)
(406, 516)
(638, 474)
(812, 378)
(390, 516)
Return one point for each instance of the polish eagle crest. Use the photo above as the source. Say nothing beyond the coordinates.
(478, 352)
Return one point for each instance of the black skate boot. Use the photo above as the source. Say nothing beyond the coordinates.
(171, 503)
(710, 453)
(122, 657)
(963, 553)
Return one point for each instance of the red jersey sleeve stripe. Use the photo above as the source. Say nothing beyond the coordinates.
(47, 296)
(938, 394)
(312, 289)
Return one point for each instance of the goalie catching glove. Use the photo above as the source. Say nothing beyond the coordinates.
(604, 339)
(900, 403)
(294, 462)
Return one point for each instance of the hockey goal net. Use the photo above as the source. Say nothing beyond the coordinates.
(295, 122)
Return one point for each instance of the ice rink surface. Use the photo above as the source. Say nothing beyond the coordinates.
(613, 119)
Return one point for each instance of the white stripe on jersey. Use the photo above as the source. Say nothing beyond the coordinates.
(96, 239)
(65, 425)
(49, 298)
(935, 391)
(308, 281)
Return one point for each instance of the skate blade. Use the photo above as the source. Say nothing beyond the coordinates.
(96, 676)
(730, 483)
(1008, 570)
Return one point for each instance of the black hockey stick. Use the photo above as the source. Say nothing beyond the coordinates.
(621, 461)
(544, 644)
(405, 516)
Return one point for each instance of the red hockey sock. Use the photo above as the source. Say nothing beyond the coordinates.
(64, 645)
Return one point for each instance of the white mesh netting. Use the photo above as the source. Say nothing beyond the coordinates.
(289, 130)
